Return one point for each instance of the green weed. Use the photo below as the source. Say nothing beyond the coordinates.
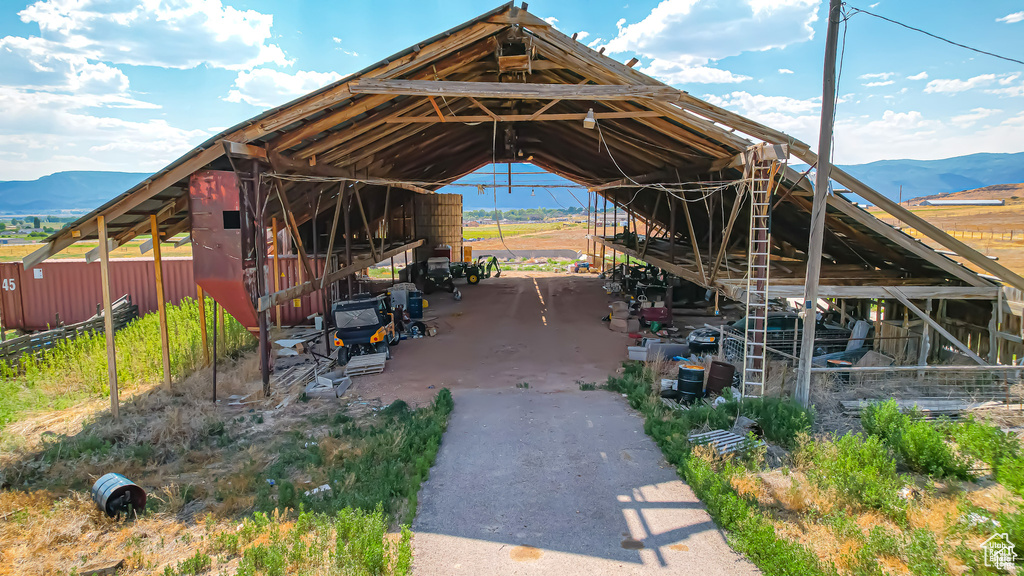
(77, 369)
(918, 443)
(861, 469)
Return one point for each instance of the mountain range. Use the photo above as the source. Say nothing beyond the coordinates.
(83, 190)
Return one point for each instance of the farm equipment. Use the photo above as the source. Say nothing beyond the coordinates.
(473, 272)
(433, 274)
(364, 326)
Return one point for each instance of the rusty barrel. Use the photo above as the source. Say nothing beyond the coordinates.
(115, 494)
(720, 376)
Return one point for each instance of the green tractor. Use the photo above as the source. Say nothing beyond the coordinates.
(473, 272)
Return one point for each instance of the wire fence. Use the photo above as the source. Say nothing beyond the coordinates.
(942, 389)
(935, 386)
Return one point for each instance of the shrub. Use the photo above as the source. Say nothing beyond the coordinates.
(994, 447)
(918, 443)
(859, 468)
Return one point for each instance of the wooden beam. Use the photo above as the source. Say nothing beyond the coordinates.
(735, 289)
(577, 116)
(436, 108)
(899, 295)
(108, 317)
(904, 241)
(158, 268)
(290, 219)
(482, 107)
(737, 203)
(334, 229)
(693, 239)
(511, 90)
(306, 287)
(366, 224)
(277, 268)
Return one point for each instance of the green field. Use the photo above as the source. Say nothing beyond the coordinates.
(489, 232)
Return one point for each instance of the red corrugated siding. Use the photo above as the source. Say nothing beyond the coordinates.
(71, 288)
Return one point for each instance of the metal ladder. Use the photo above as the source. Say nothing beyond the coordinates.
(761, 176)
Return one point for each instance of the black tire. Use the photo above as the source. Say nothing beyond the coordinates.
(382, 347)
(343, 356)
(473, 279)
(429, 286)
(449, 285)
(397, 340)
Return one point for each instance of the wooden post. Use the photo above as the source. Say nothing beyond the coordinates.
(993, 329)
(108, 316)
(348, 243)
(817, 233)
(202, 325)
(277, 270)
(165, 347)
(604, 232)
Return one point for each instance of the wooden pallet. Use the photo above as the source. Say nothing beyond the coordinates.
(366, 364)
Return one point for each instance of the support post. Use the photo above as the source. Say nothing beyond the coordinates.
(108, 317)
(165, 347)
(215, 351)
(202, 325)
(803, 385)
(604, 232)
(926, 337)
(277, 269)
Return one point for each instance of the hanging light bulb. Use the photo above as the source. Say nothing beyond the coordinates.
(533, 192)
(590, 122)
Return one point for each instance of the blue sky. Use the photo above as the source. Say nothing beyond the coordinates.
(132, 84)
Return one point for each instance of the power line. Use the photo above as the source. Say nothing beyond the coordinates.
(937, 37)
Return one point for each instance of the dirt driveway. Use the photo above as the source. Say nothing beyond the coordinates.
(546, 479)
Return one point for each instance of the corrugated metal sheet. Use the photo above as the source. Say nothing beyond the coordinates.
(31, 299)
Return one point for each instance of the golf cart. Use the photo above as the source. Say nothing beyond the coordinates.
(364, 326)
(473, 272)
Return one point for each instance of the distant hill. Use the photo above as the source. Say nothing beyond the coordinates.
(64, 191)
(1012, 193)
(930, 177)
(87, 190)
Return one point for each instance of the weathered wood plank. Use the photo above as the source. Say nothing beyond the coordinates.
(511, 90)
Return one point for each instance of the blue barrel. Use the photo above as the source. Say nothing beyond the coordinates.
(115, 494)
(415, 304)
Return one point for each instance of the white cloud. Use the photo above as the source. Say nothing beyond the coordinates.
(878, 75)
(918, 76)
(41, 133)
(676, 74)
(581, 35)
(680, 34)
(877, 84)
(955, 85)
(785, 71)
(1012, 18)
(336, 40)
(595, 42)
(552, 21)
(1008, 91)
(265, 87)
(971, 118)
(167, 33)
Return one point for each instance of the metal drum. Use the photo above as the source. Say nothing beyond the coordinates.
(720, 376)
(115, 494)
(691, 382)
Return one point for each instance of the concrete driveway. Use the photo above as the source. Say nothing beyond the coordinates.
(559, 482)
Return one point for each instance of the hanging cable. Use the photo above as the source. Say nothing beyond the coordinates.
(937, 37)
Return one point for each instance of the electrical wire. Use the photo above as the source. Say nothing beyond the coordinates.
(936, 36)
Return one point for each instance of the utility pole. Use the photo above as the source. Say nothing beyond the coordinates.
(817, 233)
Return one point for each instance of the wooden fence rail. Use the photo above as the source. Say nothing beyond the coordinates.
(12, 350)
